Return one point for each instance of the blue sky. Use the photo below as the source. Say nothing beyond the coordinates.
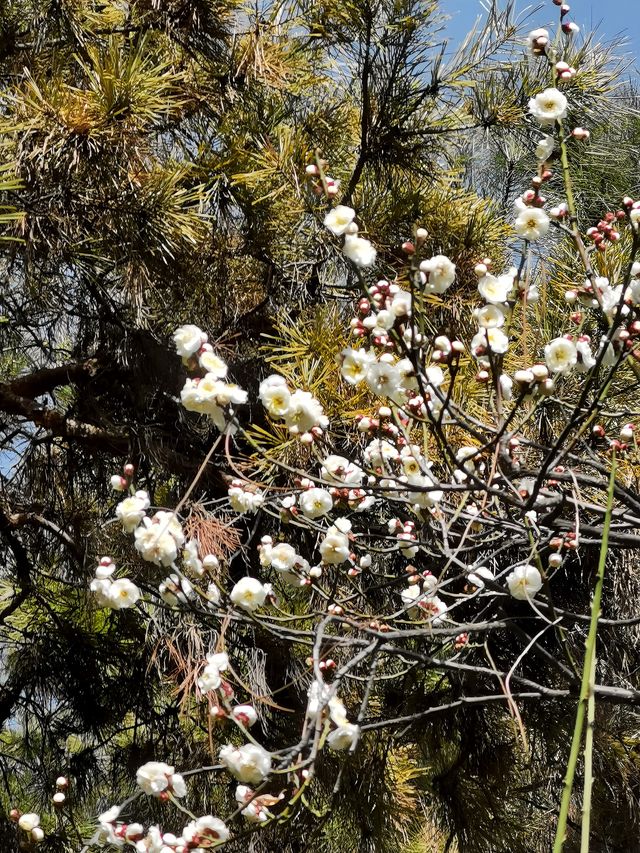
(613, 19)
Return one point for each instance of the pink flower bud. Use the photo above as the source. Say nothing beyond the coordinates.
(118, 483)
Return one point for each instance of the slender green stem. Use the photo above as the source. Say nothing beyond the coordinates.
(566, 176)
(589, 662)
(588, 761)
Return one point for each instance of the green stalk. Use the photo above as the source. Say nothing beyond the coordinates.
(588, 761)
(586, 688)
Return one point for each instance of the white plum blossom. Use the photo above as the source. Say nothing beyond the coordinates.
(506, 386)
(190, 559)
(560, 355)
(383, 378)
(132, 510)
(188, 340)
(210, 678)
(100, 588)
(245, 714)
(211, 396)
(441, 273)
(408, 379)
(537, 37)
(544, 148)
(315, 502)
(175, 590)
(337, 710)
(212, 364)
(225, 393)
(524, 582)
(359, 251)
(339, 219)
(490, 316)
(206, 828)
(548, 106)
(495, 289)
(337, 469)
(112, 814)
(254, 810)
(379, 452)
(168, 521)
(401, 304)
(492, 338)
(122, 594)
(299, 409)
(303, 413)
(433, 609)
(275, 395)
(478, 577)
(586, 359)
(155, 777)
(249, 763)
(344, 737)
(157, 540)
(412, 461)
(282, 557)
(410, 596)
(248, 594)
(334, 548)
(611, 297)
(29, 821)
(212, 593)
(319, 695)
(424, 495)
(355, 363)
(532, 224)
(105, 569)
(244, 497)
